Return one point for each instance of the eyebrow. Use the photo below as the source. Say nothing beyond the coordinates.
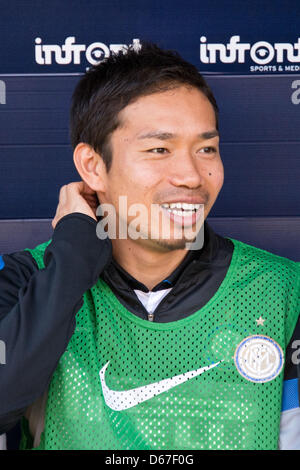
(168, 135)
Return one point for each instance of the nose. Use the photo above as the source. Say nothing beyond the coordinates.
(184, 171)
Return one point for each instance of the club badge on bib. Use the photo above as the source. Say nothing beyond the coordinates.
(259, 358)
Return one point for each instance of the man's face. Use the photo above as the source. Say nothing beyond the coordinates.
(166, 151)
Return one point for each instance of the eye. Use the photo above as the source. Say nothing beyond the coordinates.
(160, 150)
(208, 150)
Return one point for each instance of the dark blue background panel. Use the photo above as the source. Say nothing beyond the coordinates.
(252, 108)
(171, 23)
(258, 108)
(279, 235)
(36, 110)
(31, 178)
(260, 179)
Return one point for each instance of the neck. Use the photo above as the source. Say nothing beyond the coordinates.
(149, 266)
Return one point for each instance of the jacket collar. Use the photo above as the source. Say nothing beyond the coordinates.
(214, 250)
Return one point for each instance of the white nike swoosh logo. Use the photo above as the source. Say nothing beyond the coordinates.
(122, 400)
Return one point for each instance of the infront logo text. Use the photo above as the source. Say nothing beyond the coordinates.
(261, 52)
(70, 52)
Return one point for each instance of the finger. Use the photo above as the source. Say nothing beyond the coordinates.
(54, 222)
(75, 188)
(63, 194)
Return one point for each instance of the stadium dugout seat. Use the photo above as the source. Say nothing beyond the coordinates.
(279, 235)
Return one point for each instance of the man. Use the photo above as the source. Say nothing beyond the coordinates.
(173, 348)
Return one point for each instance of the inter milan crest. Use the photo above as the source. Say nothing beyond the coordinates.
(259, 358)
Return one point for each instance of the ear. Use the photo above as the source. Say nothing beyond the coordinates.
(90, 167)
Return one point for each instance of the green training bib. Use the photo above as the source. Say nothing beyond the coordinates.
(212, 380)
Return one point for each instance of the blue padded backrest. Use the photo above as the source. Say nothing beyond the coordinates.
(280, 235)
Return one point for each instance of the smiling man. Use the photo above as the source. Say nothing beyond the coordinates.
(140, 342)
(158, 158)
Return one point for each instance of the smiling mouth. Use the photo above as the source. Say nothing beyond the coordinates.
(182, 213)
(182, 209)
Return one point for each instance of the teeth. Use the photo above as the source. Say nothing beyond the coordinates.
(189, 206)
(182, 213)
(181, 205)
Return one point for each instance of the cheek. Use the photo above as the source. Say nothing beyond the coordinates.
(216, 177)
(143, 177)
(220, 177)
(132, 180)
(217, 170)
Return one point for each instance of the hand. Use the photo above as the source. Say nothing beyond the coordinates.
(76, 197)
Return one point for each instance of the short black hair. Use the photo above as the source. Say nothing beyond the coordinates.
(110, 86)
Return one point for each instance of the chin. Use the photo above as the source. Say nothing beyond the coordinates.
(172, 245)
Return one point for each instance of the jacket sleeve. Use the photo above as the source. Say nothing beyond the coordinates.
(38, 308)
